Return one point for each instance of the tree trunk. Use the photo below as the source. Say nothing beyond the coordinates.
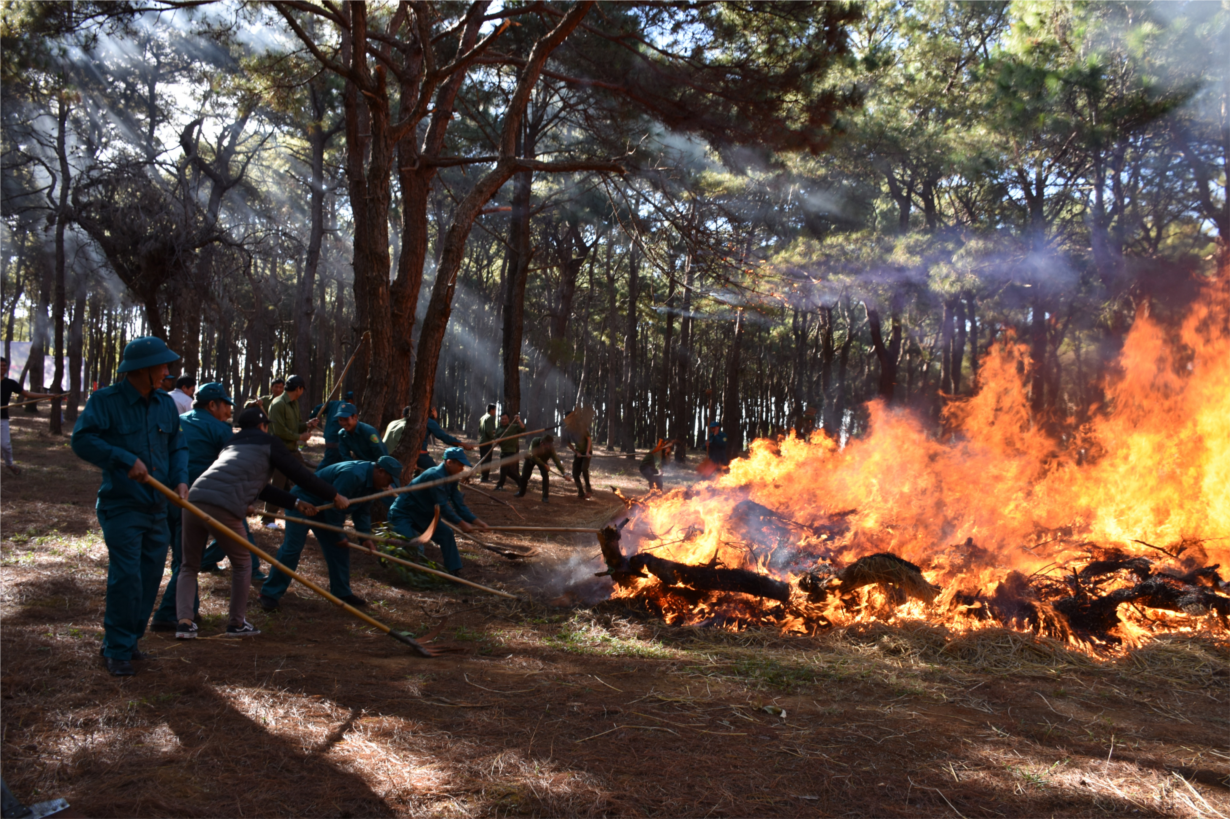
(629, 392)
(74, 352)
(887, 354)
(731, 412)
(518, 270)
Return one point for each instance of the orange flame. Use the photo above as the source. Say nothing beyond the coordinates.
(1153, 466)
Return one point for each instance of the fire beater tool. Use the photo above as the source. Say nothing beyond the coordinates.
(502, 551)
(226, 532)
(422, 539)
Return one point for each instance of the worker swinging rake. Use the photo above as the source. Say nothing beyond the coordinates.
(223, 531)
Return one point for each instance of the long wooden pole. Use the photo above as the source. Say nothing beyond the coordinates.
(226, 532)
(544, 529)
(346, 530)
(36, 400)
(411, 564)
(341, 379)
(415, 487)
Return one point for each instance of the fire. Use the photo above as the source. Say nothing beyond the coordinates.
(996, 495)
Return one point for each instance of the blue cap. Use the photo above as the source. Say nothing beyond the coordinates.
(456, 453)
(391, 465)
(345, 411)
(213, 391)
(147, 351)
(349, 394)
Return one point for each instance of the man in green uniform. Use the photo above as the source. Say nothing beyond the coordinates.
(486, 434)
(542, 449)
(508, 448)
(287, 425)
(352, 479)
(328, 411)
(413, 512)
(357, 441)
(582, 454)
(130, 430)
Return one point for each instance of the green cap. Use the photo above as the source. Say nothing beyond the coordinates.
(391, 465)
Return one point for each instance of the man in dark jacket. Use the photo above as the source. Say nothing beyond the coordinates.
(226, 492)
(413, 512)
(353, 479)
(206, 429)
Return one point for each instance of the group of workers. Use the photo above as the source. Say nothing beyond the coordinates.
(134, 429)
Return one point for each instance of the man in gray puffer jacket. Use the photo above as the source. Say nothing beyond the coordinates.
(226, 491)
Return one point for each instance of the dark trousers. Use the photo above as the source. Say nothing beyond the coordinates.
(136, 556)
(281, 482)
(580, 469)
(651, 474)
(508, 472)
(424, 462)
(484, 458)
(528, 469)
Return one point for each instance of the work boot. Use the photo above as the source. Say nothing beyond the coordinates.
(519, 495)
(268, 603)
(455, 572)
(259, 577)
(545, 499)
(354, 600)
(119, 668)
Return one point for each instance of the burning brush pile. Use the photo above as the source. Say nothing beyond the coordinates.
(1102, 538)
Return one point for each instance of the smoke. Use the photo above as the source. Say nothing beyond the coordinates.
(569, 577)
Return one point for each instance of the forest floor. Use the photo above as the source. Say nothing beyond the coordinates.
(563, 709)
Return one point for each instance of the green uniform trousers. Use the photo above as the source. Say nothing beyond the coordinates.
(136, 556)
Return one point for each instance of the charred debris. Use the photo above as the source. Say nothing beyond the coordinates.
(1081, 604)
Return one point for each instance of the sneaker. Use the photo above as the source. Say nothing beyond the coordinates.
(119, 668)
(162, 625)
(274, 524)
(519, 495)
(212, 568)
(354, 600)
(268, 603)
(185, 630)
(246, 630)
(259, 577)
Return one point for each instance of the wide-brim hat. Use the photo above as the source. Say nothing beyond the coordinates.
(147, 351)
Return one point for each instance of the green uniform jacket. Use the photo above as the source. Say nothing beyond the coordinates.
(486, 428)
(285, 422)
(540, 452)
(205, 436)
(361, 445)
(651, 459)
(116, 428)
(510, 447)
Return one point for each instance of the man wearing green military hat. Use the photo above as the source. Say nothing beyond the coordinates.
(357, 441)
(130, 430)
